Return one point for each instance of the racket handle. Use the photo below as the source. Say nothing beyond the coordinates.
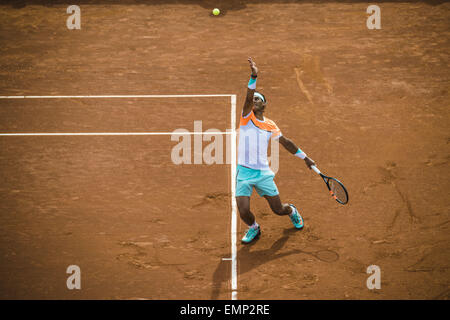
(315, 169)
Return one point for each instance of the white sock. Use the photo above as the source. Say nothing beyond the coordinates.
(254, 225)
(293, 210)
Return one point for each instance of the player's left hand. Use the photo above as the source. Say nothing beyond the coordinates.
(253, 66)
(309, 162)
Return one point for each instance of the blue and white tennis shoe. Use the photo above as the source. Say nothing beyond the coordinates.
(296, 218)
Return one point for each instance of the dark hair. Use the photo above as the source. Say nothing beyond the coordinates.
(264, 98)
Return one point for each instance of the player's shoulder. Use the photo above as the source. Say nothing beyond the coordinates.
(270, 123)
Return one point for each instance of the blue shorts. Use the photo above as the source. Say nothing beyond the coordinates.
(261, 180)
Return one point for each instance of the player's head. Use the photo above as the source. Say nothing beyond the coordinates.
(259, 102)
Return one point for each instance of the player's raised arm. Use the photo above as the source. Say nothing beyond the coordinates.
(251, 88)
(292, 148)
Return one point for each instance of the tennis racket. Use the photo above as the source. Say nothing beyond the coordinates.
(336, 188)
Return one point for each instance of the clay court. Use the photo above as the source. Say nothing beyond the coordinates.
(371, 107)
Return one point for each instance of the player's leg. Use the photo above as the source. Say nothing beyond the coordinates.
(277, 207)
(282, 209)
(244, 188)
(267, 188)
(253, 232)
(243, 204)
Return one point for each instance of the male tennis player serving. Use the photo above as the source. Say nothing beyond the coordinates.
(255, 132)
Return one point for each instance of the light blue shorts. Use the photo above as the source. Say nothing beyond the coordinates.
(261, 180)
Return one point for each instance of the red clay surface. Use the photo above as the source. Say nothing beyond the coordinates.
(371, 107)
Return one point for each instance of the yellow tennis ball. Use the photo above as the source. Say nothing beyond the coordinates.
(216, 12)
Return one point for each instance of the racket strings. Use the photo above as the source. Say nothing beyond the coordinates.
(337, 191)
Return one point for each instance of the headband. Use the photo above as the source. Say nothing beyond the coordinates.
(259, 95)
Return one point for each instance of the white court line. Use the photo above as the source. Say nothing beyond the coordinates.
(233, 201)
(107, 133)
(121, 96)
(233, 152)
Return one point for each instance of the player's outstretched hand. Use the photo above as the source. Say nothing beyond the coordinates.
(309, 162)
(253, 66)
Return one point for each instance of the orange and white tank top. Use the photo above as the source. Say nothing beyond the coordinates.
(254, 138)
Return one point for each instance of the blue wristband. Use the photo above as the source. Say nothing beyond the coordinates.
(300, 154)
(252, 83)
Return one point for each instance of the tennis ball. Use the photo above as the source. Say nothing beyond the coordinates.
(216, 12)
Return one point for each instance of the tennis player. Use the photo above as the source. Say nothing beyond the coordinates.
(253, 171)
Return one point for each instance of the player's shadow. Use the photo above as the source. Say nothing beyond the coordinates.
(249, 260)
